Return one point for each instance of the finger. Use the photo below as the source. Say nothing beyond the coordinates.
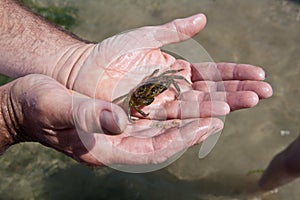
(226, 71)
(190, 109)
(157, 149)
(146, 38)
(235, 100)
(96, 116)
(262, 89)
(154, 36)
(175, 140)
(183, 28)
(240, 100)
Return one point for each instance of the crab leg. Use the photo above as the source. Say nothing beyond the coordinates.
(171, 72)
(140, 111)
(180, 77)
(177, 88)
(119, 98)
(153, 73)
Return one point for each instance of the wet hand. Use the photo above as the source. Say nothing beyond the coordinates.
(118, 64)
(100, 68)
(91, 131)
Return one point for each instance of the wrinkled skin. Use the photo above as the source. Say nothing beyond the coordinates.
(71, 122)
(54, 116)
(129, 57)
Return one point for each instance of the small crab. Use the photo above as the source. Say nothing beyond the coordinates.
(151, 86)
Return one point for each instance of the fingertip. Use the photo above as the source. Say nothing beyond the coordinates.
(113, 122)
(199, 20)
(197, 23)
(261, 73)
(262, 89)
(187, 27)
(214, 125)
(109, 123)
(217, 125)
(226, 108)
(267, 91)
(249, 100)
(252, 72)
(121, 119)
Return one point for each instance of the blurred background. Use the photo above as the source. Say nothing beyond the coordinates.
(264, 33)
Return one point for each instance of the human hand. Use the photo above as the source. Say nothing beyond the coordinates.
(118, 64)
(37, 108)
(96, 70)
(91, 69)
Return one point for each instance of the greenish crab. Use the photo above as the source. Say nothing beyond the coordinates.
(151, 86)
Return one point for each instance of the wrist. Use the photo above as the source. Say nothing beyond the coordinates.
(72, 58)
(12, 109)
(29, 44)
(8, 122)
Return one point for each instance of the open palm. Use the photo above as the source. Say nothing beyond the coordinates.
(102, 71)
(118, 64)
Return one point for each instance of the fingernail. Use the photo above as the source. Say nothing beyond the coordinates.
(109, 123)
(261, 74)
(198, 18)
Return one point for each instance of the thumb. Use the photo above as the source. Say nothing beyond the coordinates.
(97, 116)
(182, 29)
(150, 37)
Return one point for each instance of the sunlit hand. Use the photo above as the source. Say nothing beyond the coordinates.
(118, 64)
(115, 66)
(37, 108)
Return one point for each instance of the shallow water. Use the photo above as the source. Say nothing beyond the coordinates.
(264, 33)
